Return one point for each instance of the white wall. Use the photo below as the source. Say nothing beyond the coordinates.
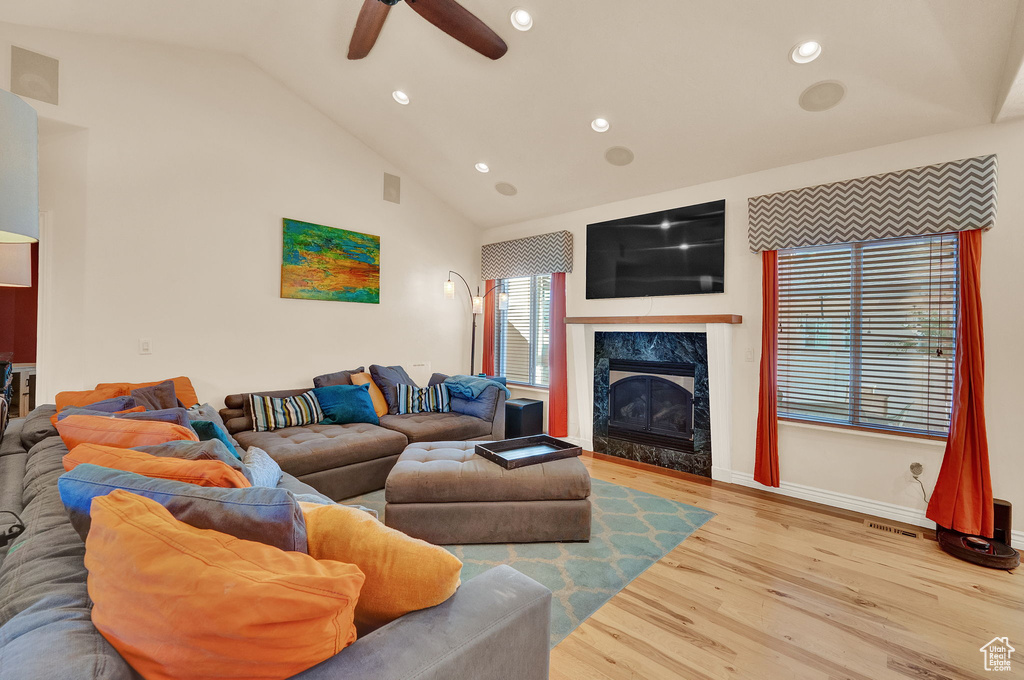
(166, 220)
(839, 462)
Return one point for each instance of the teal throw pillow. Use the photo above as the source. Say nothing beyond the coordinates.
(343, 404)
(208, 430)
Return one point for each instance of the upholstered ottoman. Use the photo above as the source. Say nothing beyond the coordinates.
(444, 493)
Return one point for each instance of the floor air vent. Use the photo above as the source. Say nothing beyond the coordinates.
(891, 529)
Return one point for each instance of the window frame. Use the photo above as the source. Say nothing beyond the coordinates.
(857, 331)
(536, 332)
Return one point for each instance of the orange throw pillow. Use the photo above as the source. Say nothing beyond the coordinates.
(403, 574)
(86, 397)
(380, 404)
(75, 430)
(180, 602)
(199, 472)
(182, 389)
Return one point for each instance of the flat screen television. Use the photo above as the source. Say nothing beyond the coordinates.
(672, 252)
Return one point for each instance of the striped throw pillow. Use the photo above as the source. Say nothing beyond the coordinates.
(274, 413)
(412, 399)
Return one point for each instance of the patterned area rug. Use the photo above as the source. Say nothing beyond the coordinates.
(631, 530)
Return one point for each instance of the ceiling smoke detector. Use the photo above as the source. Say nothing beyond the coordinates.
(506, 189)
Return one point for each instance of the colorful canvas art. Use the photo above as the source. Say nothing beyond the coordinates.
(324, 263)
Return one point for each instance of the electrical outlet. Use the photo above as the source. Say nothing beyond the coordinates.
(145, 346)
(749, 354)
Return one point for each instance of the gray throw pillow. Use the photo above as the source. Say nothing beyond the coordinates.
(388, 378)
(265, 470)
(437, 379)
(207, 412)
(213, 449)
(339, 378)
(157, 397)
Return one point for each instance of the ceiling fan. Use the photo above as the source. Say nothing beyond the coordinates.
(448, 15)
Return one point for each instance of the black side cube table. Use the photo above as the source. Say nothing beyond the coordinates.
(523, 417)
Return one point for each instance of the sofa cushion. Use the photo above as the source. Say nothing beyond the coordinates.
(75, 430)
(481, 407)
(200, 472)
(85, 397)
(209, 431)
(265, 470)
(343, 404)
(432, 427)
(156, 397)
(380, 404)
(267, 515)
(275, 413)
(434, 399)
(176, 415)
(213, 449)
(403, 574)
(387, 378)
(313, 448)
(83, 411)
(339, 378)
(183, 389)
(38, 426)
(181, 602)
(450, 472)
(207, 412)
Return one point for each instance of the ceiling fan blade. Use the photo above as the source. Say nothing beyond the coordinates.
(461, 24)
(368, 25)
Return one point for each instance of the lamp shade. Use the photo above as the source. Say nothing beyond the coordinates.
(16, 264)
(449, 290)
(478, 304)
(19, 170)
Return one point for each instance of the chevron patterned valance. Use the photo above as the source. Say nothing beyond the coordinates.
(932, 199)
(544, 254)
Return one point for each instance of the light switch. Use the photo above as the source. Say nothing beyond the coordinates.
(749, 354)
(145, 346)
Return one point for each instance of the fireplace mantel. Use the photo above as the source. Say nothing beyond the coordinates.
(683, 318)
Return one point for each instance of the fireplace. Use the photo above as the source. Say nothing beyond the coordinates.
(651, 402)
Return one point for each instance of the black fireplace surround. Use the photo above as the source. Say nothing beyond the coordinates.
(628, 427)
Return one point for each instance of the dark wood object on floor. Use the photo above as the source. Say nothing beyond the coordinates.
(516, 453)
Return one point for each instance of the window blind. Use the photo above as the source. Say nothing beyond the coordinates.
(522, 331)
(867, 333)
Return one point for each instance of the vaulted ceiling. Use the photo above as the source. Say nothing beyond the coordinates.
(698, 90)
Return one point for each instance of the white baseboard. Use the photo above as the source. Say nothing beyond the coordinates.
(722, 474)
(899, 513)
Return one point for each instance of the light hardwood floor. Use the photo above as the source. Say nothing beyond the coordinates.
(771, 588)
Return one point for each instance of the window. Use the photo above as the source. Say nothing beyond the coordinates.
(867, 334)
(521, 332)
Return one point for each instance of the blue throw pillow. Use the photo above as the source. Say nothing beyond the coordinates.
(343, 404)
(481, 407)
(178, 416)
(208, 431)
(270, 516)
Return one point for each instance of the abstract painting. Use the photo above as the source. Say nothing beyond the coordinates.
(324, 263)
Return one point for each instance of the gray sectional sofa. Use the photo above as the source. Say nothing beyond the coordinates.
(342, 461)
(496, 626)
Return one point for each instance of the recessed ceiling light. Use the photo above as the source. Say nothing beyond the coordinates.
(822, 96)
(482, 167)
(619, 155)
(506, 189)
(684, 246)
(400, 97)
(521, 19)
(600, 125)
(805, 52)
(665, 224)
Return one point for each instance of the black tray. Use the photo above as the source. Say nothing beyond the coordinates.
(522, 451)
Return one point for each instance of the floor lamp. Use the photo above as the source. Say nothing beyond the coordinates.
(478, 307)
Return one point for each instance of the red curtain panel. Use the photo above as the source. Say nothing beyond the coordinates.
(962, 499)
(766, 460)
(489, 319)
(558, 389)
